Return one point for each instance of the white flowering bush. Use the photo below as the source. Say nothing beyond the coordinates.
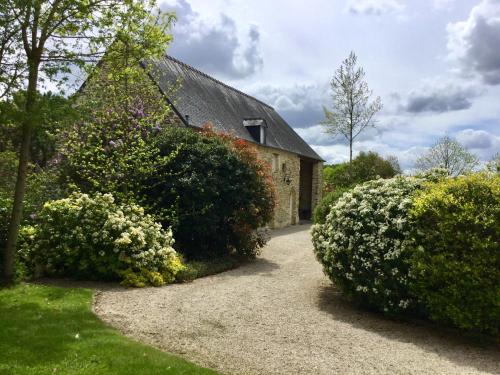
(364, 243)
(92, 237)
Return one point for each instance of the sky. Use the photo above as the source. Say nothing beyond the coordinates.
(434, 63)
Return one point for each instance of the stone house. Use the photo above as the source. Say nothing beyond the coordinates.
(201, 99)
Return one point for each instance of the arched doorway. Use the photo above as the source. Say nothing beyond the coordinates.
(293, 207)
(305, 192)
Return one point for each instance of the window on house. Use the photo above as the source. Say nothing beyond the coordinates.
(276, 162)
(254, 132)
(257, 129)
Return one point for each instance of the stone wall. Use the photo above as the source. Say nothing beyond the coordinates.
(285, 168)
(287, 181)
(317, 183)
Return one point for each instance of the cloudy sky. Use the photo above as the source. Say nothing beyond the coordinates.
(434, 63)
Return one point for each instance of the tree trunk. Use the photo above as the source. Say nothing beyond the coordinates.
(350, 151)
(24, 152)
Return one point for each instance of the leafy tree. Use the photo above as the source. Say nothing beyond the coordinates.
(43, 40)
(449, 154)
(394, 162)
(55, 113)
(352, 111)
(365, 167)
(339, 178)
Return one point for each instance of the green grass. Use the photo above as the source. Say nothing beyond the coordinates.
(52, 330)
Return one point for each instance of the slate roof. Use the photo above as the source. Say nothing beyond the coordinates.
(205, 99)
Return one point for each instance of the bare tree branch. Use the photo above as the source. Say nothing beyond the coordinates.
(448, 154)
(352, 112)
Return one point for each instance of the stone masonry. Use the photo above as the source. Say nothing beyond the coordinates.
(285, 168)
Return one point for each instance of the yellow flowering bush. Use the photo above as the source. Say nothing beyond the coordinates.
(92, 237)
(456, 261)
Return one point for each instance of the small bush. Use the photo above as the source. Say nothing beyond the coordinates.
(94, 238)
(195, 269)
(362, 244)
(326, 203)
(457, 262)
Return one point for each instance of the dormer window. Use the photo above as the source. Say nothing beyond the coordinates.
(257, 129)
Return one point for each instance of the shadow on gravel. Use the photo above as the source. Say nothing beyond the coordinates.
(258, 266)
(290, 230)
(481, 354)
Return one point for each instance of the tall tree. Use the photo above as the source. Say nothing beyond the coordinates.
(44, 40)
(449, 154)
(352, 111)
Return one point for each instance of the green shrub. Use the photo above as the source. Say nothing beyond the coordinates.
(214, 192)
(457, 262)
(323, 208)
(195, 269)
(364, 167)
(41, 186)
(363, 243)
(94, 238)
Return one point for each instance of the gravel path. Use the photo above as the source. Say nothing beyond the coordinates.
(280, 315)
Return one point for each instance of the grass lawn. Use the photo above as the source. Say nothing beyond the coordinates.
(52, 330)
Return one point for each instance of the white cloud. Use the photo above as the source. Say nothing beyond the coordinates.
(476, 138)
(475, 42)
(214, 46)
(301, 105)
(374, 7)
(481, 142)
(443, 4)
(441, 95)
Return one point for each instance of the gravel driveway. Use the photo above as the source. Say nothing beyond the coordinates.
(280, 315)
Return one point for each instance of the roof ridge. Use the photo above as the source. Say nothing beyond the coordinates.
(216, 80)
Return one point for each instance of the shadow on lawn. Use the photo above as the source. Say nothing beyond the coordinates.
(448, 343)
(43, 336)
